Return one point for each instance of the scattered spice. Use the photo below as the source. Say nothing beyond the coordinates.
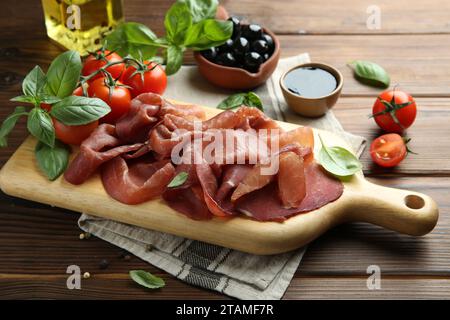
(104, 264)
(81, 236)
(86, 275)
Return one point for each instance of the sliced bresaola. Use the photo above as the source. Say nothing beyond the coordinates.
(188, 198)
(137, 123)
(265, 204)
(101, 146)
(138, 181)
(216, 192)
(291, 179)
(264, 173)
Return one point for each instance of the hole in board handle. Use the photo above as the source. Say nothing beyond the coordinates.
(414, 202)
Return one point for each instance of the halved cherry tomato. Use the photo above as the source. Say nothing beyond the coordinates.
(388, 150)
(155, 80)
(73, 134)
(119, 99)
(394, 111)
(95, 62)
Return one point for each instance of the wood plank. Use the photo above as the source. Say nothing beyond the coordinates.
(32, 235)
(356, 288)
(419, 69)
(428, 135)
(292, 17)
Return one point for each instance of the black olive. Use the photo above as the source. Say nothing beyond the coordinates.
(269, 41)
(240, 46)
(210, 54)
(252, 61)
(226, 47)
(226, 59)
(236, 27)
(252, 32)
(260, 46)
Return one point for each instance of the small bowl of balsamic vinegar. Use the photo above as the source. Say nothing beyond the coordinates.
(311, 89)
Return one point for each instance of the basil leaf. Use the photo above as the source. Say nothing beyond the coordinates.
(233, 101)
(52, 161)
(134, 39)
(201, 9)
(178, 180)
(253, 100)
(249, 99)
(338, 161)
(40, 125)
(146, 279)
(34, 82)
(208, 33)
(75, 110)
(25, 99)
(174, 59)
(177, 22)
(63, 74)
(49, 99)
(371, 73)
(9, 123)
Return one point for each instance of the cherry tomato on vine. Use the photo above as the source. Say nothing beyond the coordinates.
(73, 134)
(95, 62)
(119, 99)
(388, 150)
(155, 80)
(394, 110)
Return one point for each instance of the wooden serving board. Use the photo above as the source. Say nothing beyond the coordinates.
(400, 210)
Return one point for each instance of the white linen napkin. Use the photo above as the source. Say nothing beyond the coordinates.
(237, 274)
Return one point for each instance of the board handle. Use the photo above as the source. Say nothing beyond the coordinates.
(403, 211)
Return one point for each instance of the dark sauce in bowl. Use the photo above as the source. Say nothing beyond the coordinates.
(310, 82)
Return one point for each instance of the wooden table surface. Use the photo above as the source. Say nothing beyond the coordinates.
(38, 242)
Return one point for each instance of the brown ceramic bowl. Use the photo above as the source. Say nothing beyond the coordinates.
(313, 107)
(237, 78)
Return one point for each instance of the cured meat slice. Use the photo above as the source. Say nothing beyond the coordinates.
(255, 119)
(137, 123)
(304, 136)
(209, 184)
(137, 182)
(264, 204)
(232, 176)
(188, 198)
(100, 147)
(291, 179)
(260, 175)
(187, 111)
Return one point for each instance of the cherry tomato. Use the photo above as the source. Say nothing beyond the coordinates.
(119, 100)
(155, 80)
(93, 63)
(394, 110)
(388, 150)
(73, 134)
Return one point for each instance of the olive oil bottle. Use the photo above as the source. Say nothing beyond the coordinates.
(81, 24)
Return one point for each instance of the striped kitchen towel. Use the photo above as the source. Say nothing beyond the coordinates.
(237, 274)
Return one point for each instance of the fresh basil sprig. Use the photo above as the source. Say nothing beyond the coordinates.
(75, 111)
(338, 161)
(249, 99)
(53, 88)
(370, 73)
(52, 161)
(146, 279)
(178, 180)
(40, 125)
(188, 24)
(200, 10)
(9, 123)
